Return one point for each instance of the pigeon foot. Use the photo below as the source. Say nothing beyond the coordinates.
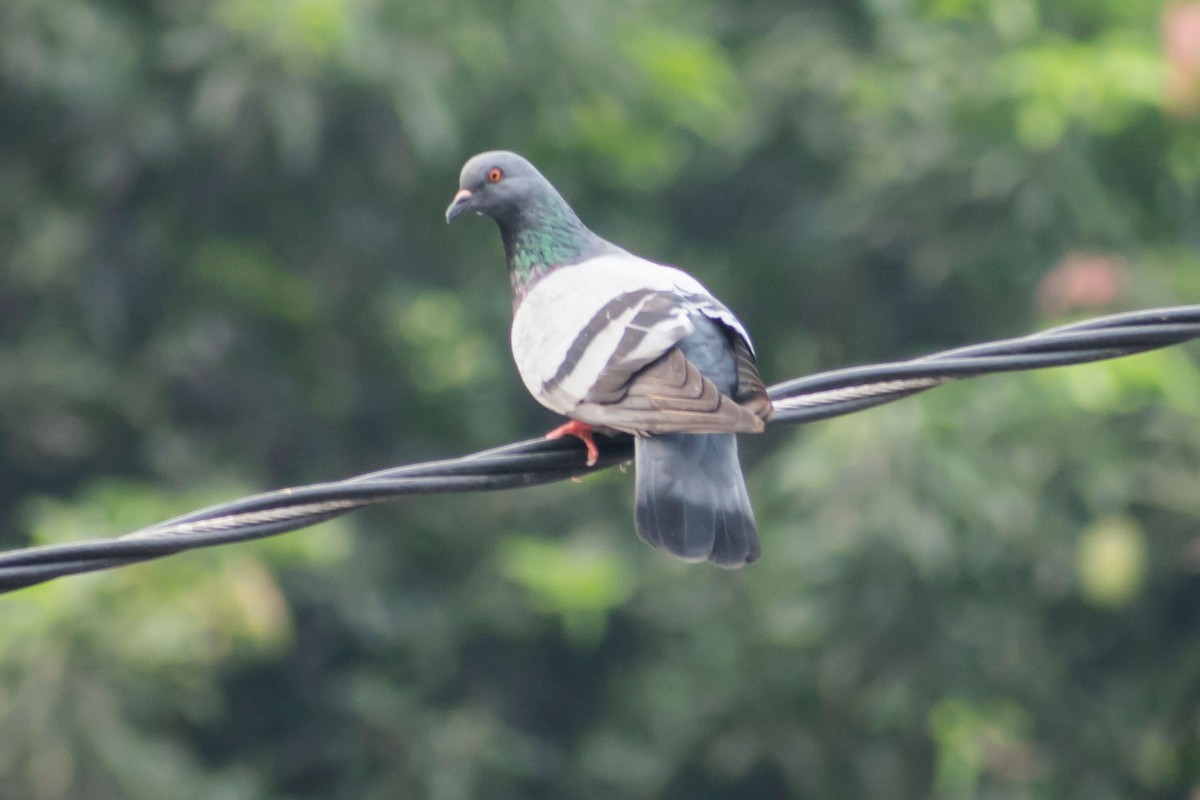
(581, 431)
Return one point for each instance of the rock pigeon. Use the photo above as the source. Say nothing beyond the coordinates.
(619, 343)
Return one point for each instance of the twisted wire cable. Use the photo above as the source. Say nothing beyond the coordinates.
(538, 461)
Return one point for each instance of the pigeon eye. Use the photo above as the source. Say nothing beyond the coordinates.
(495, 174)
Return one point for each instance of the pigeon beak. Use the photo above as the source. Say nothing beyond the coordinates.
(458, 204)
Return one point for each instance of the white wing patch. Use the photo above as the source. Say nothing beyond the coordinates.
(573, 322)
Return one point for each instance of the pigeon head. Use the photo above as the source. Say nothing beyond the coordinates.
(501, 185)
(540, 231)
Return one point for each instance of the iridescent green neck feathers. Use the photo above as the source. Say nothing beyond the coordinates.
(543, 235)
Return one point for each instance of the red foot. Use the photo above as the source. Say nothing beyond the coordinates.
(581, 431)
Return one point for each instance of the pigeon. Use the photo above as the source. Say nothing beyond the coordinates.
(618, 343)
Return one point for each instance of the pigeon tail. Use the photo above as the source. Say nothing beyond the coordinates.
(691, 498)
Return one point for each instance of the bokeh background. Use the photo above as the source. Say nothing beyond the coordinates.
(224, 269)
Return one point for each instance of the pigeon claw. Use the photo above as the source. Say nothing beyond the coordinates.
(581, 431)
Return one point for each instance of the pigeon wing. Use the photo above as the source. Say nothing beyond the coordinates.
(597, 342)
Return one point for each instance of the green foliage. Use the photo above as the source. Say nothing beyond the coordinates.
(94, 670)
(576, 580)
(223, 268)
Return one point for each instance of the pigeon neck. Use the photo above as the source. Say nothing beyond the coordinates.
(543, 237)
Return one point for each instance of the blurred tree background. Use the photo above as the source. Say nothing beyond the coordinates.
(223, 268)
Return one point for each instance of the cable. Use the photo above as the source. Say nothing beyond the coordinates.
(538, 461)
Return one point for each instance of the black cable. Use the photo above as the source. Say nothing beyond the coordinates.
(538, 461)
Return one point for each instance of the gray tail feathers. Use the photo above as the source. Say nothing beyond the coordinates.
(692, 500)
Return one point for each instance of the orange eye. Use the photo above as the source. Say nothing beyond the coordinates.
(495, 174)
